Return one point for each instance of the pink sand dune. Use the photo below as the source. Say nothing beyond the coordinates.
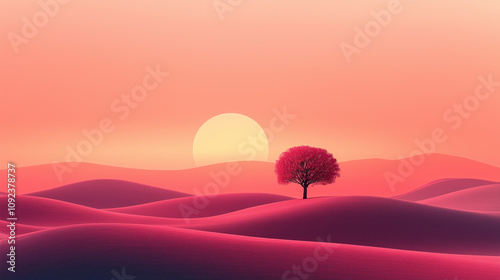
(152, 252)
(369, 221)
(45, 212)
(108, 193)
(441, 187)
(203, 206)
(483, 198)
(20, 228)
(496, 213)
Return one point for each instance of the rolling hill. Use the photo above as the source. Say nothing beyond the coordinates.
(152, 252)
(441, 187)
(198, 207)
(108, 193)
(369, 221)
(45, 212)
(482, 198)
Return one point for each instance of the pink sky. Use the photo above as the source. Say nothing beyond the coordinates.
(262, 57)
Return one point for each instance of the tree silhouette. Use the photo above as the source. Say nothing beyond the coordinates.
(306, 166)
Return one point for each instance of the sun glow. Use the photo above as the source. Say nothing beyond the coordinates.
(230, 137)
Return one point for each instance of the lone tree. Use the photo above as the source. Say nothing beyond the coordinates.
(306, 166)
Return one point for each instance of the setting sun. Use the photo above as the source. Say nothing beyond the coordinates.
(229, 137)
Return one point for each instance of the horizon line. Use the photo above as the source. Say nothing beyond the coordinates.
(244, 162)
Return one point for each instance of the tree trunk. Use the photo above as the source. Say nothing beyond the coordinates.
(304, 196)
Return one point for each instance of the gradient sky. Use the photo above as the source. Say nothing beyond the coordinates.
(262, 57)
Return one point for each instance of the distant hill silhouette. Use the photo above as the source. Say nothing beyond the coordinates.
(482, 198)
(358, 177)
(441, 187)
(108, 193)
